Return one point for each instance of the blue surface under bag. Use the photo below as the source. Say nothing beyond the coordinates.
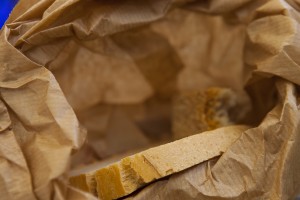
(6, 7)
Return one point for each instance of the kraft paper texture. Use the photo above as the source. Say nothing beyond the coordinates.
(79, 76)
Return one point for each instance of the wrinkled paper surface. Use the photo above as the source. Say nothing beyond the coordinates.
(117, 64)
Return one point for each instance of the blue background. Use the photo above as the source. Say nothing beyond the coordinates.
(6, 7)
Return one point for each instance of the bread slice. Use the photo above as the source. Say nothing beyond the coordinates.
(196, 112)
(130, 173)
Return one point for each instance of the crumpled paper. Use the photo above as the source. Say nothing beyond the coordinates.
(60, 57)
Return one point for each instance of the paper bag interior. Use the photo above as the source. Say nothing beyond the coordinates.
(82, 81)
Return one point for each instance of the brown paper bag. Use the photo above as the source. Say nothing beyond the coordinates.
(64, 57)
